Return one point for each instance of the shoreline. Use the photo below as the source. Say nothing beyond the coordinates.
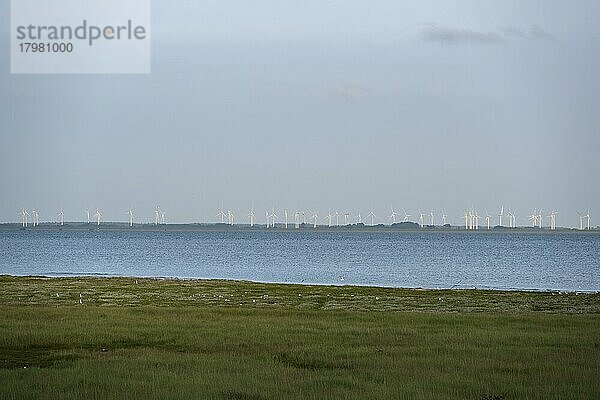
(307, 284)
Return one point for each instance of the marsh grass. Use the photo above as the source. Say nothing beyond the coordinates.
(179, 339)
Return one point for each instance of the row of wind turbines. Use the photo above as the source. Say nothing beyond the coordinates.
(471, 218)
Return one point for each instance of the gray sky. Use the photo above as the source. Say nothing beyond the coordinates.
(316, 105)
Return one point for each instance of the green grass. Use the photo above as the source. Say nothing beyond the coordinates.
(241, 340)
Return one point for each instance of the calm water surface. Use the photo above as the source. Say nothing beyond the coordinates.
(561, 261)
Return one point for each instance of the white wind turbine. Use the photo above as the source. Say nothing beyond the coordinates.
(512, 219)
(500, 216)
(157, 215)
(130, 212)
(220, 214)
(406, 216)
(303, 217)
(329, 218)
(421, 215)
(359, 218)
(273, 217)
(267, 218)
(346, 218)
(393, 215)
(587, 216)
(35, 214)
(372, 216)
(552, 218)
(467, 216)
(285, 212)
(87, 213)
(315, 218)
(487, 219)
(337, 218)
(539, 218)
(98, 216)
(229, 217)
(432, 220)
(24, 218)
(297, 220)
(252, 216)
(61, 215)
(533, 218)
(444, 216)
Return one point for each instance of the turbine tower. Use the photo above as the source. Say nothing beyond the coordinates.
(273, 216)
(87, 212)
(98, 216)
(286, 218)
(329, 218)
(393, 215)
(157, 215)
(24, 218)
(432, 220)
(346, 218)
(487, 219)
(359, 218)
(315, 218)
(61, 214)
(372, 216)
(130, 212)
(252, 216)
(444, 216)
(500, 216)
(297, 220)
(421, 215)
(406, 216)
(221, 214)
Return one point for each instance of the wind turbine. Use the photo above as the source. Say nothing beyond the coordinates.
(98, 215)
(406, 216)
(432, 220)
(219, 214)
(539, 218)
(329, 218)
(303, 217)
(587, 215)
(267, 217)
(130, 212)
(444, 217)
(337, 218)
(251, 215)
(157, 215)
(500, 216)
(533, 218)
(297, 219)
(393, 215)
(512, 219)
(162, 217)
(36, 217)
(61, 214)
(286, 218)
(359, 218)
(315, 218)
(372, 216)
(421, 215)
(346, 218)
(487, 219)
(229, 217)
(273, 216)
(552, 218)
(24, 218)
(467, 220)
(87, 212)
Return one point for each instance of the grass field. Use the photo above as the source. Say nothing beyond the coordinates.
(146, 338)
